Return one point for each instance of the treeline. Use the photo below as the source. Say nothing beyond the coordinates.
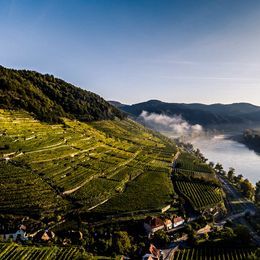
(251, 138)
(50, 98)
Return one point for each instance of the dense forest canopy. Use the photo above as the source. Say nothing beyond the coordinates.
(50, 98)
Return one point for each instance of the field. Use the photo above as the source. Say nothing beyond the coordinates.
(96, 165)
(16, 252)
(212, 253)
(188, 162)
(200, 195)
(196, 182)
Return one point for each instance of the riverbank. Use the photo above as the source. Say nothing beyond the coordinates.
(230, 153)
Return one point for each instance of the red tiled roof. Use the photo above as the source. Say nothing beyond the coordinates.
(178, 219)
(156, 222)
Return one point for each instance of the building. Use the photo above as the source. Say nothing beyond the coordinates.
(167, 224)
(178, 221)
(155, 254)
(152, 225)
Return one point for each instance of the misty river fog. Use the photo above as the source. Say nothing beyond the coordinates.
(214, 146)
(230, 154)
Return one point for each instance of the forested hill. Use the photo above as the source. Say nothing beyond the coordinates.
(50, 98)
(199, 113)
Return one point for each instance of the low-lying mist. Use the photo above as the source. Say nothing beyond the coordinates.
(215, 142)
(173, 126)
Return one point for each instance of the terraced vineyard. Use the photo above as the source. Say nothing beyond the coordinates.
(207, 176)
(197, 182)
(212, 253)
(16, 252)
(200, 195)
(186, 161)
(46, 167)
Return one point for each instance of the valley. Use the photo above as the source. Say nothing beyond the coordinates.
(129, 130)
(103, 186)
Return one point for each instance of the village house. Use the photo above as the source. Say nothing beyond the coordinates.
(155, 254)
(178, 221)
(168, 224)
(152, 225)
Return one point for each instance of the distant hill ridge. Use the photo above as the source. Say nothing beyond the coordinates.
(50, 98)
(198, 113)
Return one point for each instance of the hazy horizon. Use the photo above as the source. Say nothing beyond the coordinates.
(133, 51)
(189, 103)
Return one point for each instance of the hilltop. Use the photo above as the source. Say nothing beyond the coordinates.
(206, 115)
(50, 98)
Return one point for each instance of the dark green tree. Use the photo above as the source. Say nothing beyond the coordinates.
(161, 238)
(219, 168)
(121, 242)
(231, 173)
(242, 233)
(247, 189)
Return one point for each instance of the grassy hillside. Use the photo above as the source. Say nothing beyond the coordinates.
(118, 164)
(50, 98)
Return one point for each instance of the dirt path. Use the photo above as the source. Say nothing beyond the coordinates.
(120, 165)
(44, 149)
(67, 192)
(102, 202)
(67, 155)
(96, 176)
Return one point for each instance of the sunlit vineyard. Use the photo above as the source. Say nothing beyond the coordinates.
(212, 253)
(187, 161)
(200, 195)
(45, 167)
(197, 182)
(189, 174)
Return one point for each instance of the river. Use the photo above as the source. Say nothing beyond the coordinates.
(230, 153)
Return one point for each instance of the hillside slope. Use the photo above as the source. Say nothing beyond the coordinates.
(79, 165)
(50, 98)
(109, 167)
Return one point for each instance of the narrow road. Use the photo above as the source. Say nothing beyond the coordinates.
(100, 203)
(236, 198)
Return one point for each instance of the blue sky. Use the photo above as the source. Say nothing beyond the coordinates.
(131, 51)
